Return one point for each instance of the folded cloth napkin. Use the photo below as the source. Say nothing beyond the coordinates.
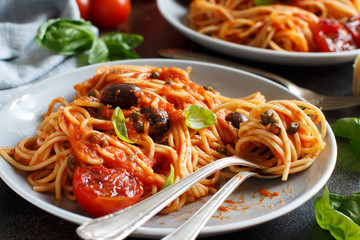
(22, 61)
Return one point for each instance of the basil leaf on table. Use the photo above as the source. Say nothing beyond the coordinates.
(99, 52)
(71, 37)
(197, 117)
(118, 121)
(339, 214)
(120, 45)
(66, 36)
(349, 128)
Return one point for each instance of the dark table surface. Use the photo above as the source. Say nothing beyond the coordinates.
(19, 219)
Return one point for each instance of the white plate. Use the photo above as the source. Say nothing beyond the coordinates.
(175, 14)
(21, 117)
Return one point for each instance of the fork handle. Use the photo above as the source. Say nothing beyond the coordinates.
(120, 224)
(191, 228)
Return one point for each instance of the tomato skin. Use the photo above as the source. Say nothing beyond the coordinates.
(111, 13)
(331, 36)
(353, 26)
(85, 8)
(101, 191)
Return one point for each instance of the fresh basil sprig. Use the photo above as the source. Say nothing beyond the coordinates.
(264, 2)
(71, 37)
(171, 178)
(339, 214)
(66, 36)
(349, 128)
(197, 117)
(118, 121)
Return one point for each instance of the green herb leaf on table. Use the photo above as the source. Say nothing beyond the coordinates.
(66, 36)
(118, 121)
(349, 128)
(99, 52)
(339, 214)
(197, 117)
(71, 37)
(120, 45)
(171, 178)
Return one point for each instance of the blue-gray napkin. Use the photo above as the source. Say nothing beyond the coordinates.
(22, 61)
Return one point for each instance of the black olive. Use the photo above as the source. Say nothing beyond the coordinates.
(123, 95)
(159, 122)
(292, 128)
(236, 118)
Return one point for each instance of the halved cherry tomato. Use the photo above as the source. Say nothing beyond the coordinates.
(84, 8)
(353, 26)
(111, 13)
(101, 191)
(331, 36)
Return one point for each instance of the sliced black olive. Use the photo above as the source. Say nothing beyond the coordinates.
(123, 95)
(154, 75)
(292, 128)
(236, 118)
(159, 122)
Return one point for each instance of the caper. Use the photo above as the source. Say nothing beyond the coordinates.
(208, 88)
(135, 116)
(292, 128)
(267, 117)
(154, 75)
(275, 128)
(222, 150)
(93, 93)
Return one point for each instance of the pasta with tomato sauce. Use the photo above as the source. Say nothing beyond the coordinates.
(131, 129)
(295, 25)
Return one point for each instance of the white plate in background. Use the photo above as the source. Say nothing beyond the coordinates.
(175, 13)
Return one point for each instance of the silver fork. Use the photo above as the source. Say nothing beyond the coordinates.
(322, 101)
(120, 224)
(191, 228)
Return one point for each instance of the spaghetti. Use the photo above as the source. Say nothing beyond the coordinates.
(78, 138)
(284, 26)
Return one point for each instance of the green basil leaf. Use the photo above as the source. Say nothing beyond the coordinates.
(350, 206)
(66, 36)
(120, 45)
(171, 178)
(99, 52)
(118, 121)
(197, 117)
(349, 128)
(263, 2)
(339, 225)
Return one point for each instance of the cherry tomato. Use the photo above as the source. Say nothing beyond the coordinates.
(111, 13)
(331, 36)
(353, 26)
(84, 8)
(101, 191)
